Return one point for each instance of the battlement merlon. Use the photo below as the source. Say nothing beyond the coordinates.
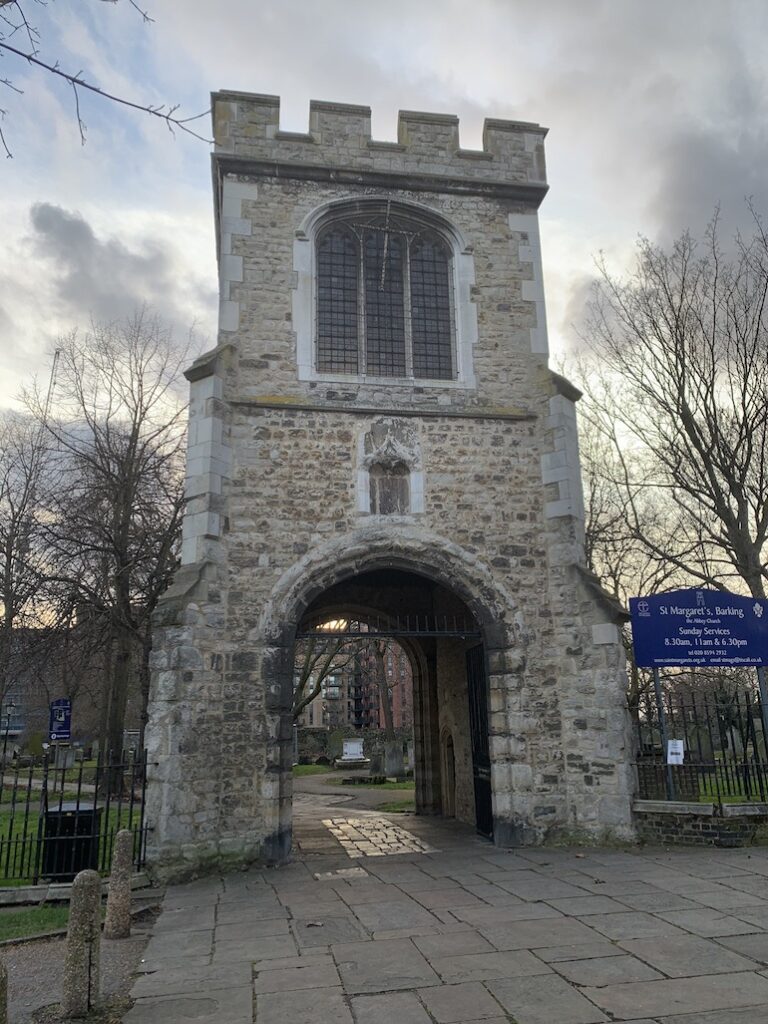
(247, 131)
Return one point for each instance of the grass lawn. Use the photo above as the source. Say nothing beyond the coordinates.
(397, 807)
(70, 774)
(311, 769)
(731, 782)
(15, 924)
(405, 784)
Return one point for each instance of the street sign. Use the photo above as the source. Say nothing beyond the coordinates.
(60, 720)
(699, 627)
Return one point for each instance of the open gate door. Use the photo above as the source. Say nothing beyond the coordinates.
(477, 688)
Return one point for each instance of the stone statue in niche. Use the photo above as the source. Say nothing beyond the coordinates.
(390, 489)
(390, 455)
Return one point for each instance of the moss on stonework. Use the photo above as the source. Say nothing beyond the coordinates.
(606, 838)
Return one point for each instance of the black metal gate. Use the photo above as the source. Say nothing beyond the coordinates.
(477, 688)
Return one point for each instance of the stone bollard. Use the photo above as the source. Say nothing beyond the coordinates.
(3, 994)
(81, 961)
(118, 921)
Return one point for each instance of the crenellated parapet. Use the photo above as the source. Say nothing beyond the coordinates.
(247, 129)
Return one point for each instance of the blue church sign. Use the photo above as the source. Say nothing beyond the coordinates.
(60, 720)
(699, 627)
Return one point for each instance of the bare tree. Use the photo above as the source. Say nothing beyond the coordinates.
(317, 659)
(20, 38)
(379, 649)
(114, 510)
(678, 392)
(23, 460)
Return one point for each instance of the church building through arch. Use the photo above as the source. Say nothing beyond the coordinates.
(378, 429)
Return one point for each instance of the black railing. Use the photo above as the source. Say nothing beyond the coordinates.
(56, 821)
(424, 624)
(725, 758)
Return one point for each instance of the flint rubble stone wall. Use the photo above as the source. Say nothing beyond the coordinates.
(274, 508)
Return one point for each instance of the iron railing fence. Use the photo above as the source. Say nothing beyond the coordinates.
(725, 753)
(56, 821)
(408, 624)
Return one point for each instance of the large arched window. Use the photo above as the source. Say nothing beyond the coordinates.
(384, 298)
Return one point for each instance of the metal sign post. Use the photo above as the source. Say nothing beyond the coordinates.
(663, 732)
(763, 706)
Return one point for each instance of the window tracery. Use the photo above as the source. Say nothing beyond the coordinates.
(384, 298)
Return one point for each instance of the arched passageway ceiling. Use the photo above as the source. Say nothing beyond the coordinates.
(388, 602)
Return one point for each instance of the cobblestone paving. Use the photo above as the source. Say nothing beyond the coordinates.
(465, 933)
(374, 837)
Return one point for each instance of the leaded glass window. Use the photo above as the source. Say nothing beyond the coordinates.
(384, 299)
(337, 302)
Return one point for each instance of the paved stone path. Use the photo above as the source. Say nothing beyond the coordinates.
(374, 837)
(465, 933)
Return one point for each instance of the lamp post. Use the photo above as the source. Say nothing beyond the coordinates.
(10, 707)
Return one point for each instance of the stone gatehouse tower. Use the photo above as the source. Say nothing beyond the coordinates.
(378, 435)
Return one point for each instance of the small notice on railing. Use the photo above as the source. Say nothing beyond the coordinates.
(675, 751)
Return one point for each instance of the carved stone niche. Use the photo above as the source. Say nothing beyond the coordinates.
(391, 478)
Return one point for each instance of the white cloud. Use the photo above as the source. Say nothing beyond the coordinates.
(656, 111)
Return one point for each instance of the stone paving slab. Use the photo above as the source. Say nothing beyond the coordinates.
(744, 1015)
(606, 970)
(186, 919)
(755, 884)
(540, 888)
(393, 914)
(753, 946)
(235, 1006)
(382, 966)
(324, 1006)
(455, 1004)
(557, 1002)
(681, 996)
(392, 1008)
(729, 899)
(687, 956)
(235, 913)
(253, 929)
(654, 900)
(325, 932)
(632, 925)
(582, 906)
(440, 899)
(485, 966)
(238, 950)
(193, 979)
(757, 917)
(493, 915)
(294, 979)
(179, 945)
(562, 931)
(286, 962)
(583, 951)
(708, 923)
(452, 944)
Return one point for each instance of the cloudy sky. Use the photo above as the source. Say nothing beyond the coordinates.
(657, 111)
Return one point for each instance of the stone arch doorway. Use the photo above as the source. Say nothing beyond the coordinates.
(442, 639)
